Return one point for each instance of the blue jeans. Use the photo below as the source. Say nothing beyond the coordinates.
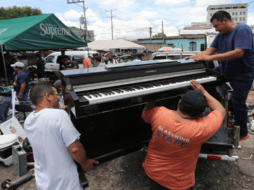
(25, 99)
(4, 108)
(240, 93)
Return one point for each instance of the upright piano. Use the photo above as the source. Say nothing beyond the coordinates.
(107, 102)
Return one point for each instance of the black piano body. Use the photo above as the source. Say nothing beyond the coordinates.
(112, 127)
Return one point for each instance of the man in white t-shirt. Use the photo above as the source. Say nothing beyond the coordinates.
(55, 142)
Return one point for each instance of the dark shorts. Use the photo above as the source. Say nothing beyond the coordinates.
(156, 186)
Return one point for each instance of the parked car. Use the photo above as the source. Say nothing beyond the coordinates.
(180, 55)
(78, 56)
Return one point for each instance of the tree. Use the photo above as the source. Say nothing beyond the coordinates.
(159, 35)
(17, 12)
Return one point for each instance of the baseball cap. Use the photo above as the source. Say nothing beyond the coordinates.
(90, 55)
(194, 102)
(18, 64)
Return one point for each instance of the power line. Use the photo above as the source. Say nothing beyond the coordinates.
(84, 9)
(111, 21)
(122, 31)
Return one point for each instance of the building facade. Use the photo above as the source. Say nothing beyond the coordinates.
(198, 23)
(238, 12)
(187, 43)
(80, 33)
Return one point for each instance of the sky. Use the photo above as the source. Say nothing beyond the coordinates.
(132, 18)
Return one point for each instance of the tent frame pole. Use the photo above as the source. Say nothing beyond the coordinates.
(5, 71)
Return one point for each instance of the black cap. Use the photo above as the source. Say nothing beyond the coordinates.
(194, 102)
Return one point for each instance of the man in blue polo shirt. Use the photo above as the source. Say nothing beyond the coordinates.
(236, 47)
(21, 83)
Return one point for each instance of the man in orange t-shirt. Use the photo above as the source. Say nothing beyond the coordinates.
(177, 138)
(87, 62)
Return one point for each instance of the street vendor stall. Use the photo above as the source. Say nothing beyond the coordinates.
(41, 32)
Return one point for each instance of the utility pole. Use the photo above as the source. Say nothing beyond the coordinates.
(84, 9)
(163, 33)
(111, 20)
(150, 33)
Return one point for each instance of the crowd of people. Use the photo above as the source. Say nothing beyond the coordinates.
(169, 163)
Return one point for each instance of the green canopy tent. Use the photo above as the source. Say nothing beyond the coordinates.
(39, 32)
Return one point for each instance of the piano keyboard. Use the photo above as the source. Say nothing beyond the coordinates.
(140, 90)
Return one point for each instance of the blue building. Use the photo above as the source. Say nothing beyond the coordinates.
(187, 42)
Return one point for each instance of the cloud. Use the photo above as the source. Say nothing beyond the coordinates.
(126, 3)
(250, 19)
(108, 2)
(72, 14)
(132, 29)
(197, 11)
(171, 31)
(146, 15)
(92, 15)
(59, 16)
(191, 14)
(172, 2)
(212, 2)
(179, 23)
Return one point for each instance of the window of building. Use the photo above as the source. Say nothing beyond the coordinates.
(240, 18)
(212, 9)
(193, 46)
(243, 18)
(240, 13)
(211, 14)
(233, 13)
(243, 13)
(235, 19)
(235, 7)
(171, 45)
(227, 7)
(220, 8)
(243, 7)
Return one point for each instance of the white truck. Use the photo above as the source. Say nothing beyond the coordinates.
(52, 66)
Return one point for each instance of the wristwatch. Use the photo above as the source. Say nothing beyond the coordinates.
(20, 94)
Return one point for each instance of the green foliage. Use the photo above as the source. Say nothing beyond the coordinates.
(17, 12)
(159, 35)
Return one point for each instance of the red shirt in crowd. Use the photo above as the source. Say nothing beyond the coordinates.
(87, 63)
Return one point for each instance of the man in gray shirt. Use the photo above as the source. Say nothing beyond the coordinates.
(55, 142)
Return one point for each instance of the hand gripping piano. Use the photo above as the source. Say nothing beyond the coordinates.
(108, 102)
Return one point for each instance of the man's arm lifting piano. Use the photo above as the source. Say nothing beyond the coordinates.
(109, 102)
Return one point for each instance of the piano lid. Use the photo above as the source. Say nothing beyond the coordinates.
(138, 63)
(123, 66)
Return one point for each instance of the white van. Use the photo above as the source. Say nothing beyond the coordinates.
(78, 56)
